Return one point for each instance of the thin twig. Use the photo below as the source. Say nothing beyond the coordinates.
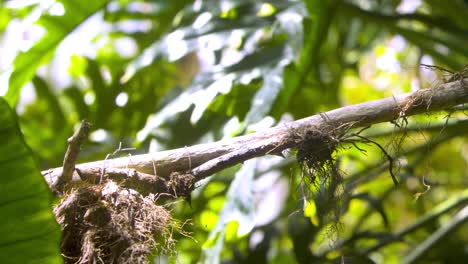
(435, 67)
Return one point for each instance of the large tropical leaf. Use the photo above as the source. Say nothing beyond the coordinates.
(57, 27)
(238, 209)
(29, 231)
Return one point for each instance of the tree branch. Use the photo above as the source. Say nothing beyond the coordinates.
(206, 159)
(429, 218)
(422, 249)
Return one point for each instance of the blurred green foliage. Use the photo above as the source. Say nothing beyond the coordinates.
(158, 75)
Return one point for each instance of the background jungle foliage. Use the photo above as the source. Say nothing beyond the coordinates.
(158, 75)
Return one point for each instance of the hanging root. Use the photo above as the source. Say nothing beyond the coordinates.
(389, 158)
(315, 151)
(315, 155)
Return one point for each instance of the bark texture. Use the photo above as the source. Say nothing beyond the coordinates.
(206, 159)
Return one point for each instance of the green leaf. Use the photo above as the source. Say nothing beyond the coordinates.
(315, 30)
(310, 210)
(427, 43)
(375, 203)
(261, 57)
(236, 102)
(218, 25)
(57, 27)
(239, 207)
(455, 11)
(44, 93)
(265, 97)
(29, 231)
(76, 96)
(291, 80)
(104, 95)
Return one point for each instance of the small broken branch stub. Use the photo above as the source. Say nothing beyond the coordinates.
(71, 156)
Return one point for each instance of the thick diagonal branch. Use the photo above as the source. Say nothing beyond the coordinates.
(206, 159)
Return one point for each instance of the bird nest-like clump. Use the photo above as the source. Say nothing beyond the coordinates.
(108, 224)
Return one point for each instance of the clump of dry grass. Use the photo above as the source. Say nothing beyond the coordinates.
(108, 224)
